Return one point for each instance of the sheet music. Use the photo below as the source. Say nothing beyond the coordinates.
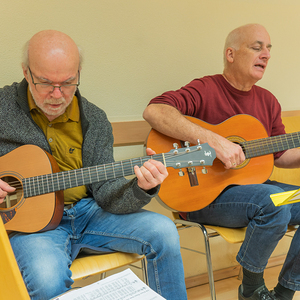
(121, 286)
(286, 197)
(296, 196)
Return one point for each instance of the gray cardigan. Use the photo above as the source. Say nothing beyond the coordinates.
(17, 128)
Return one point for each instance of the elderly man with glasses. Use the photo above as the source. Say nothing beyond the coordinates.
(47, 110)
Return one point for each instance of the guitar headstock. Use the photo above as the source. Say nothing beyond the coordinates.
(199, 155)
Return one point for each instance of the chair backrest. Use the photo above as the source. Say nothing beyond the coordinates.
(11, 282)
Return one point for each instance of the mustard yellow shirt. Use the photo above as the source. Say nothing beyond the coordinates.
(64, 135)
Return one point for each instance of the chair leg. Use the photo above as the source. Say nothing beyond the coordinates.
(207, 254)
(240, 277)
(144, 271)
(209, 263)
(143, 268)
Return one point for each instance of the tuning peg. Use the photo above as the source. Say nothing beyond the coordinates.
(187, 145)
(181, 173)
(175, 145)
(199, 146)
(204, 170)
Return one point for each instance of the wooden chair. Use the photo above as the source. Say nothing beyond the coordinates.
(11, 282)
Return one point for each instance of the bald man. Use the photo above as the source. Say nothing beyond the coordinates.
(214, 99)
(47, 110)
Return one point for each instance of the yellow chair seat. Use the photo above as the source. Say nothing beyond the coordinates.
(231, 235)
(90, 265)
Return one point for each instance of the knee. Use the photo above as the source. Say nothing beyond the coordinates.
(46, 273)
(277, 217)
(46, 279)
(164, 234)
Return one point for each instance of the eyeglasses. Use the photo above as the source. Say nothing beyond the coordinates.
(49, 88)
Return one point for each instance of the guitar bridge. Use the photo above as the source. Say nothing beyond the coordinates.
(193, 176)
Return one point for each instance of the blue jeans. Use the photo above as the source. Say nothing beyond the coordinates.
(251, 206)
(44, 258)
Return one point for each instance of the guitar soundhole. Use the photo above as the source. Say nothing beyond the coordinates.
(12, 198)
(239, 141)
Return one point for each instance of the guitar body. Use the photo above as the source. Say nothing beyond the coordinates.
(176, 192)
(40, 213)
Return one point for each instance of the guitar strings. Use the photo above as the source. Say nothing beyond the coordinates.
(37, 185)
(62, 180)
(18, 185)
(271, 144)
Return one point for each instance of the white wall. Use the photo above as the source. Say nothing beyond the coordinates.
(137, 49)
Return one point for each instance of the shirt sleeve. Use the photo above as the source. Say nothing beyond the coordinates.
(187, 99)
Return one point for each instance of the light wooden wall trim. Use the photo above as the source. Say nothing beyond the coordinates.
(290, 113)
(135, 132)
(130, 133)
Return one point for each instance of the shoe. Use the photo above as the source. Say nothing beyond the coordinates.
(262, 293)
(273, 293)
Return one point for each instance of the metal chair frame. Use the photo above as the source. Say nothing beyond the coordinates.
(186, 224)
(231, 235)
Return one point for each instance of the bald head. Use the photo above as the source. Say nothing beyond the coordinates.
(51, 48)
(241, 35)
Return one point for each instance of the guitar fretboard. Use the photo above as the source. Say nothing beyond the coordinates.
(271, 144)
(49, 183)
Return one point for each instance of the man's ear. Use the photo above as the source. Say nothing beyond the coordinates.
(229, 53)
(25, 72)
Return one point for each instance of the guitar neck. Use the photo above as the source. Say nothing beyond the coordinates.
(49, 183)
(270, 145)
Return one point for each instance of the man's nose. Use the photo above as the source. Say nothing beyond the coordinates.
(57, 93)
(266, 54)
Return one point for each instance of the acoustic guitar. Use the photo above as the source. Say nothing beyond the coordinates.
(178, 193)
(37, 203)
